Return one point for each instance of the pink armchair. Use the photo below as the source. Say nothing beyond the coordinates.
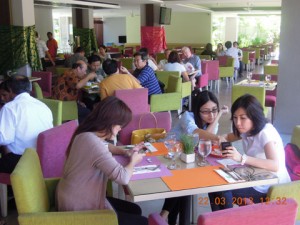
(203, 79)
(45, 82)
(263, 213)
(52, 145)
(164, 120)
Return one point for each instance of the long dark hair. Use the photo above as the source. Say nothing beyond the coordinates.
(109, 112)
(174, 57)
(200, 98)
(254, 111)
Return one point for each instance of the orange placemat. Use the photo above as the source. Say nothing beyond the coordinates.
(194, 178)
(161, 149)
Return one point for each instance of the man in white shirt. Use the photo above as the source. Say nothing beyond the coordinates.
(233, 52)
(240, 54)
(21, 121)
(43, 51)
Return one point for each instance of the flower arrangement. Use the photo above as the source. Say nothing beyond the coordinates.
(188, 144)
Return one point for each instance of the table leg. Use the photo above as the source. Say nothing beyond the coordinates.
(185, 211)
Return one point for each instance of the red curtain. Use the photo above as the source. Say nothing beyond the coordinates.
(153, 38)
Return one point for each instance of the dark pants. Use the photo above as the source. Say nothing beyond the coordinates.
(128, 213)
(226, 199)
(241, 68)
(173, 206)
(8, 162)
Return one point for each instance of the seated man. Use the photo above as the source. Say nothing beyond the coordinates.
(78, 55)
(115, 80)
(145, 76)
(95, 66)
(22, 118)
(69, 84)
(192, 59)
(151, 61)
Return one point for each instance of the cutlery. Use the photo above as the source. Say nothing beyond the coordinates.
(151, 168)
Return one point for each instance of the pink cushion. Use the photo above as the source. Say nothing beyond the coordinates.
(270, 101)
(164, 120)
(203, 79)
(45, 82)
(52, 145)
(292, 161)
(262, 213)
(156, 219)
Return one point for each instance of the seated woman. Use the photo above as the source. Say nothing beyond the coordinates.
(202, 120)
(174, 64)
(220, 50)
(90, 164)
(262, 146)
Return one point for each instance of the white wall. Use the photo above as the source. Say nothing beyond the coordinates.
(22, 12)
(43, 21)
(113, 28)
(287, 113)
(133, 29)
(231, 29)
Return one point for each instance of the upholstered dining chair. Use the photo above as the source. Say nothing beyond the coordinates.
(281, 192)
(163, 76)
(203, 79)
(267, 213)
(45, 83)
(52, 146)
(127, 62)
(35, 198)
(227, 70)
(296, 136)
(56, 108)
(37, 90)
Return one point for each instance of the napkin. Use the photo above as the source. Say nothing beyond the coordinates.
(146, 169)
(228, 177)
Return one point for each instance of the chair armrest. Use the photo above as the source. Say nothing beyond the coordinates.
(165, 102)
(51, 184)
(107, 217)
(186, 89)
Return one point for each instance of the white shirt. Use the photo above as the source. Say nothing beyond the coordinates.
(175, 67)
(42, 48)
(162, 64)
(254, 146)
(21, 120)
(233, 52)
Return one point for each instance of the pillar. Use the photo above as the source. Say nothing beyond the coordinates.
(231, 29)
(288, 103)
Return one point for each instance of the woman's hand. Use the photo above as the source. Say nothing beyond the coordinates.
(136, 148)
(232, 153)
(136, 158)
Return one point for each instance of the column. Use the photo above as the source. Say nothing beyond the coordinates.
(83, 30)
(231, 29)
(288, 103)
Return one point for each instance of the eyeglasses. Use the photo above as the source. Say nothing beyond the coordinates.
(207, 112)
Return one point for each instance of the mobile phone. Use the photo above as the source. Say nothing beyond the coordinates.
(224, 145)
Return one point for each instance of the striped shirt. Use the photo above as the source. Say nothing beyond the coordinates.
(148, 80)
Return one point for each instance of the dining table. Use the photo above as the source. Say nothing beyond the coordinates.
(269, 86)
(188, 180)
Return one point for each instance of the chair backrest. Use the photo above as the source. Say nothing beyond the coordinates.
(245, 58)
(174, 84)
(164, 120)
(52, 146)
(212, 69)
(45, 82)
(56, 108)
(206, 57)
(262, 213)
(296, 136)
(284, 191)
(37, 90)
(222, 60)
(159, 56)
(258, 92)
(163, 76)
(230, 62)
(136, 99)
(127, 62)
(156, 219)
(271, 69)
(69, 110)
(28, 184)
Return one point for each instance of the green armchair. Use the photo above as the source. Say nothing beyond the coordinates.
(163, 76)
(227, 71)
(35, 196)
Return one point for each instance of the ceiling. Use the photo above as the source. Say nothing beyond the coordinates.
(121, 8)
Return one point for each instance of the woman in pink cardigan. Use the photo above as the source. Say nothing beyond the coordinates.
(90, 164)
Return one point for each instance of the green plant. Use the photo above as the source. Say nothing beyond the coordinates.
(187, 144)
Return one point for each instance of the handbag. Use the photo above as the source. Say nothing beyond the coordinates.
(149, 134)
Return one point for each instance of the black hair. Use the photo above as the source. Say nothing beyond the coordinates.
(76, 65)
(228, 44)
(144, 50)
(18, 84)
(4, 86)
(79, 49)
(103, 46)
(49, 33)
(143, 55)
(110, 66)
(200, 98)
(174, 57)
(235, 42)
(94, 58)
(254, 112)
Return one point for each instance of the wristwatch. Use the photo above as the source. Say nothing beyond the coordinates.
(244, 158)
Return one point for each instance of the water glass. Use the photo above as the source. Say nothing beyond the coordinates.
(204, 149)
(268, 79)
(176, 150)
(249, 77)
(170, 142)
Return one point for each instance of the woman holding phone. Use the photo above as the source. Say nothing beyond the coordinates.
(202, 120)
(90, 164)
(263, 148)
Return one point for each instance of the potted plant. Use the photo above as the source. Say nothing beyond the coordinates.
(188, 154)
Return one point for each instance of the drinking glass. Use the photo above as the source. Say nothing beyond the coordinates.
(176, 150)
(169, 142)
(249, 77)
(268, 79)
(204, 149)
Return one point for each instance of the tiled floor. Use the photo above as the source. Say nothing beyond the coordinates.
(224, 97)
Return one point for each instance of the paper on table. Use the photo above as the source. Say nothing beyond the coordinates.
(227, 177)
(226, 162)
(146, 169)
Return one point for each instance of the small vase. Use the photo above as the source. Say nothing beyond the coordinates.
(187, 158)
